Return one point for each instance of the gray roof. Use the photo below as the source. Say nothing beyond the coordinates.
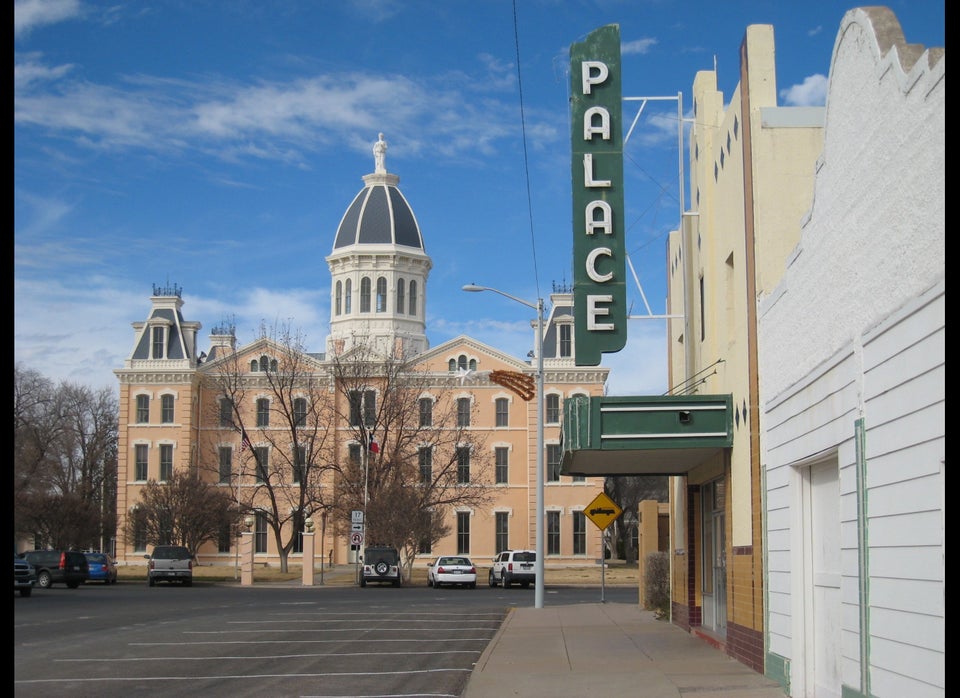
(379, 215)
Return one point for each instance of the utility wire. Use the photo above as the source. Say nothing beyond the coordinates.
(526, 167)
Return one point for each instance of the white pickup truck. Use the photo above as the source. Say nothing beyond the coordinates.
(170, 563)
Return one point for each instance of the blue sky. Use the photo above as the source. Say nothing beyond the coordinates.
(216, 145)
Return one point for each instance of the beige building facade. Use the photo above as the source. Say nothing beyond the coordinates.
(172, 398)
(751, 170)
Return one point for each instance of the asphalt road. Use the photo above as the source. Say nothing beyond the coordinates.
(216, 639)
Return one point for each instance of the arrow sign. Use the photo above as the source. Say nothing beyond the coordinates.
(603, 511)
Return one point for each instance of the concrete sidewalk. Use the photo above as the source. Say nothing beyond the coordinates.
(605, 649)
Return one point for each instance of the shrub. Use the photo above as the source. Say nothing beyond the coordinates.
(656, 583)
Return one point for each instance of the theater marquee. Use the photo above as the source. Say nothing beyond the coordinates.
(599, 251)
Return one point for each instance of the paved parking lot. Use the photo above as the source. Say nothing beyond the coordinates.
(226, 640)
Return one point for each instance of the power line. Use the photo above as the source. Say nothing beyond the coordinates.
(526, 168)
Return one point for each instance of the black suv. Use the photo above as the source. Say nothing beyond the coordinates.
(24, 576)
(381, 564)
(58, 567)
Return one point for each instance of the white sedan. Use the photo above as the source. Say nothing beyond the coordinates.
(452, 570)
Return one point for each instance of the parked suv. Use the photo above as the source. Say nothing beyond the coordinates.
(380, 564)
(170, 563)
(514, 567)
(24, 576)
(58, 567)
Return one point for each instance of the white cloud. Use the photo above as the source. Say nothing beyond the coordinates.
(812, 92)
(30, 14)
(637, 46)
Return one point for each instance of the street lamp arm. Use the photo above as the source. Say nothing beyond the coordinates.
(473, 288)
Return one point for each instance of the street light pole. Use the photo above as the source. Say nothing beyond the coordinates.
(538, 306)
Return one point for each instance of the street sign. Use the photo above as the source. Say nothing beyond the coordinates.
(602, 511)
(356, 527)
(356, 538)
(356, 516)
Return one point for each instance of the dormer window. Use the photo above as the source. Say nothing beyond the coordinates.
(158, 337)
(565, 347)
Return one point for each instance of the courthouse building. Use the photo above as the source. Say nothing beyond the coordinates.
(207, 406)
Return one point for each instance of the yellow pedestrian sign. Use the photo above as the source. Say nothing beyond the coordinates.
(602, 511)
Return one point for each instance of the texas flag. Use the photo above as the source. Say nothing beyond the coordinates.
(374, 446)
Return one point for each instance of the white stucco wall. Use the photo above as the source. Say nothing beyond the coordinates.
(855, 330)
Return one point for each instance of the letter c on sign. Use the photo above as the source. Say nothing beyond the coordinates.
(592, 265)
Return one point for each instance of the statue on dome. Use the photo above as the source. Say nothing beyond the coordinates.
(379, 156)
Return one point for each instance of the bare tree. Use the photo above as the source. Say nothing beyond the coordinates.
(65, 462)
(628, 491)
(287, 441)
(413, 459)
(181, 511)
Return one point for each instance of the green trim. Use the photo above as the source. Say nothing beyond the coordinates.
(863, 553)
(778, 669)
(847, 692)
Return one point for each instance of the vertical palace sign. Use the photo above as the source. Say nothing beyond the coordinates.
(599, 249)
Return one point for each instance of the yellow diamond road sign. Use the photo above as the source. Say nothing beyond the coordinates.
(602, 511)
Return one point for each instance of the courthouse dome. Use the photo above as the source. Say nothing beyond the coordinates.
(379, 214)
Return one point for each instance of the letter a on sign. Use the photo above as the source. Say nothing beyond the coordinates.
(599, 249)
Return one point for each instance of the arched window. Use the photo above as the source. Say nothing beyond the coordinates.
(462, 362)
(502, 410)
(254, 366)
(463, 411)
(166, 409)
(347, 296)
(338, 298)
(473, 364)
(381, 294)
(400, 296)
(365, 294)
(265, 363)
(143, 409)
(413, 298)
(452, 365)
(553, 409)
(263, 412)
(426, 412)
(300, 411)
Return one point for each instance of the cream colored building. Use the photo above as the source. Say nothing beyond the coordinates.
(379, 269)
(751, 171)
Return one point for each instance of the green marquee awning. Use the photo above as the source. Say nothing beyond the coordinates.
(644, 435)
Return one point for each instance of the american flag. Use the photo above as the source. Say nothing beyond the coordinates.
(245, 441)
